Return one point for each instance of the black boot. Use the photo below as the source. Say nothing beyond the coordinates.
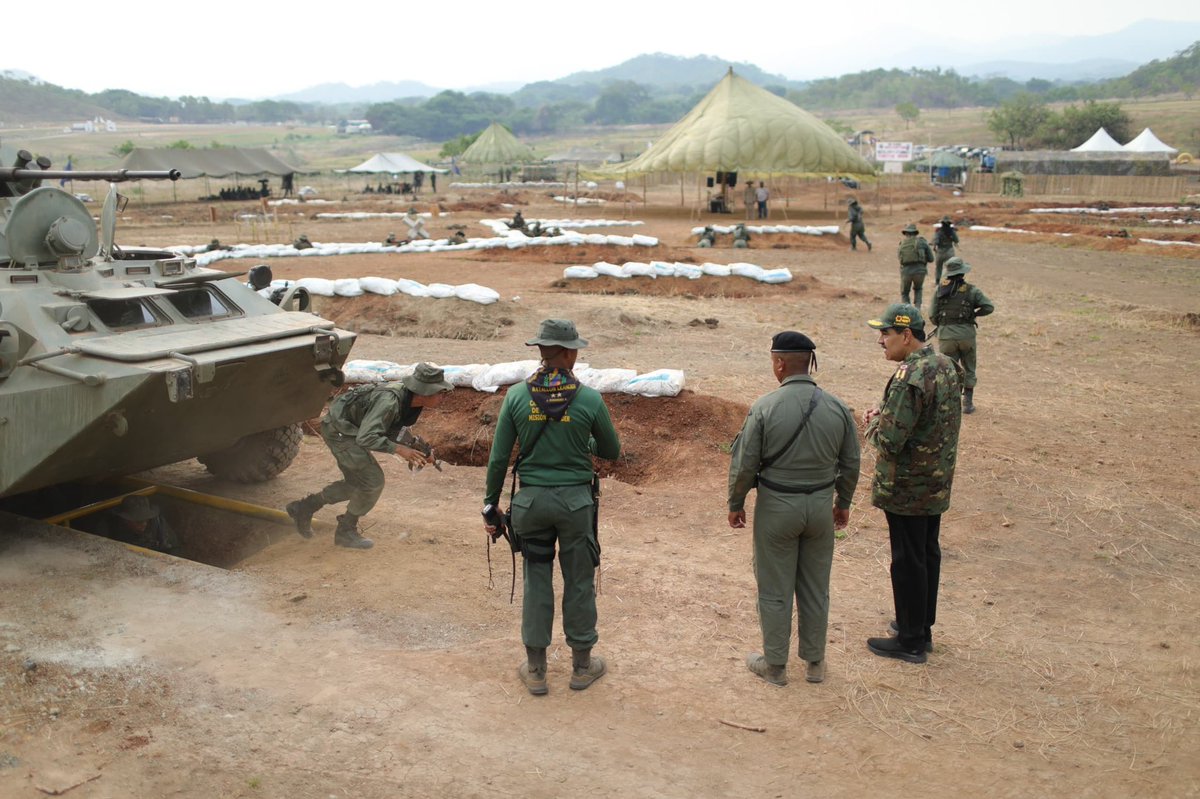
(533, 671)
(302, 511)
(585, 669)
(968, 400)
(347, 533)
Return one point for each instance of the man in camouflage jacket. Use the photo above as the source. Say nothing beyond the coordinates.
(915, 434)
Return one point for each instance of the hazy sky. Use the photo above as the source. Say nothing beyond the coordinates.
(254, 49)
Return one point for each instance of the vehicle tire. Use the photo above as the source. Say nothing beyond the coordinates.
(257, 457)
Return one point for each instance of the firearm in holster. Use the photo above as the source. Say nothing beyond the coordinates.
(503, 524)
(407, 438)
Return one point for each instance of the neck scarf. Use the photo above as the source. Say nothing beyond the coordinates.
(552, 389)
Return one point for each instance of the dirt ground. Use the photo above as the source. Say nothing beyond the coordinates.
(1067, 649)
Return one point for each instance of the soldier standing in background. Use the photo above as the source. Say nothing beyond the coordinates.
(915, 257)
(798, 446)
(956, 305)
(915, 435)
(858, 228)
(945, 237)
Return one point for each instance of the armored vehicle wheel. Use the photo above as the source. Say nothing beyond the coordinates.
(256, 457)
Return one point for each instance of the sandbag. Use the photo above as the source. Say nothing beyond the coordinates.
(610, 270)
(367, 371)
(663, 268)
(440, 290)
(463, 376)
(781, 275)
(746, 270)
(659, 383)
(715, 270)
(580, 272)
(316, 285)
(476, 293)
(378, 285)
(412, 288)
(503, 374)
(637, 269)
(606, 381)
(690, 271)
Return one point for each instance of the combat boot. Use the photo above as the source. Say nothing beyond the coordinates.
(585, 669)
(533, 671)
(347, 533)
(776, 675)
(968, 400)
(302, 511)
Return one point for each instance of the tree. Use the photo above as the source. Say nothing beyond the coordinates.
(908, 112)
(1018, 119)
(1075, 124)
(124, 148)
(182, 144)
(618, 103)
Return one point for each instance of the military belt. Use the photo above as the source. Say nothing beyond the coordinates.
(787, 489)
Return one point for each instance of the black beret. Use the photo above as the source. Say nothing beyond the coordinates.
(791, 341)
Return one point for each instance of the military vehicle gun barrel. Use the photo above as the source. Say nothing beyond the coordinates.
(114, 175)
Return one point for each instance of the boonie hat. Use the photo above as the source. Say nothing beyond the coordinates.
(791, 341)
(136, 508)
(956, 266)
(557, 333)
(899, 315)
(910, 229)
(946, 220)
(426, 380)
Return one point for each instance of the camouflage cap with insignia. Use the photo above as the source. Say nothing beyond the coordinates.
(898, 316)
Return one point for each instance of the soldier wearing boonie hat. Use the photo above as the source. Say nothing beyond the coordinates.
(956, 306)
(915, 257)
(945, 237)
(368, 419)
(858, 229)
(799, 448)
(915, 435)
(556, 423)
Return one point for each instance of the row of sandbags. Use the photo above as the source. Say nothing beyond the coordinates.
(806, 230)
(357, 286)
(490, 377)
(1140, 209)
(657, 269)
(514, 240)
(375, 215)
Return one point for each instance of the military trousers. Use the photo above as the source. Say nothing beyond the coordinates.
(916, 569)
(544, 516)
(940, 258)
(962, 352)
(793, 556)
(858, 231)
(912, 278)
(362, 478)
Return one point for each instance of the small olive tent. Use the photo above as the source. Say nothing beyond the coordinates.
(496, 146)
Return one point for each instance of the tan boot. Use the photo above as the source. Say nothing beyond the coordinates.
(585, 669)
(776, 675)
(533, 671)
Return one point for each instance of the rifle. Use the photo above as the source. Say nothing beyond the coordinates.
(407, 438)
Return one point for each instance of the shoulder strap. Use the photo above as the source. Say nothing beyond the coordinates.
(812, 406)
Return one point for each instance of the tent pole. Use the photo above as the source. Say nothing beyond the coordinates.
(576, 188)
(644, 190)
(682, 202)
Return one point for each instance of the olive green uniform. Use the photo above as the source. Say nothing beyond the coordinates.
(793, 516)
(361, 421)
(554, 503)
(944, 239)
(955, 316)
(914, 266)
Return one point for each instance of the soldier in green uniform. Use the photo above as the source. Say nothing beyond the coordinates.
(915, 435)
(799, 447)
(368, 419)
(558, 424)
(858, 228)
(956, 305)
(915, 257)
(945, 237)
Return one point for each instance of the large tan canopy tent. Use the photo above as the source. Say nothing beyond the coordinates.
(740, 127)
(497, 146)
(222, 162)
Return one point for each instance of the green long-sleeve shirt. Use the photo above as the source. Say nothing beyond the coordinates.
(562, 454)
(374, 415)
(827, 448)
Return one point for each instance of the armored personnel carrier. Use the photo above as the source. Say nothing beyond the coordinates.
(114, 360)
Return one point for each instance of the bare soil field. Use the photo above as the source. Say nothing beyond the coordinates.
(1067, 650)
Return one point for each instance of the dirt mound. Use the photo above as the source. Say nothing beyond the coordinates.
(662, 438)
(727, 287)
(499, 203)
(419, 317)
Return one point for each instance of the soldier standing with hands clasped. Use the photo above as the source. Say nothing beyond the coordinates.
(915, 435)
(798, 446)
(558, 425)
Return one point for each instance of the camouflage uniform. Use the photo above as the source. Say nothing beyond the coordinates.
(858, 229)
(793, 518)
(944, 239)
(916, 439)
(914, 265)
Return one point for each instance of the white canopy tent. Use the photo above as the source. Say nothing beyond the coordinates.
(1147, 142)
(1100, 142)
(393, 164)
